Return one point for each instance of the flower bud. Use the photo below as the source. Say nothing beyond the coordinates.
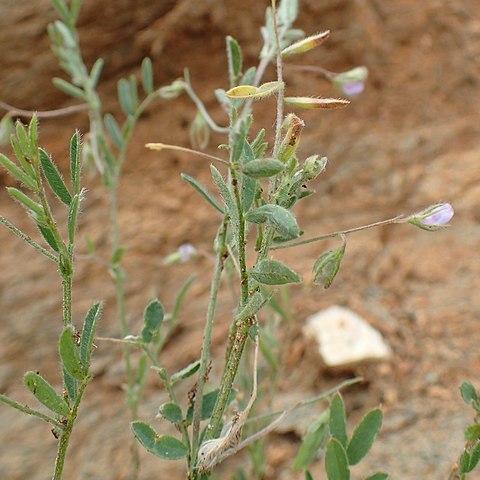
(432, 218)
(199, 132)
(327, 265)
(6, 129)
(292, 126)
(351, 83)
(185, 253)
(313, 167)
(306, 44)
(172, 91)
(312, 102)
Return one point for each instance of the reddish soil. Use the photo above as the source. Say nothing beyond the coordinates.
(410, 140)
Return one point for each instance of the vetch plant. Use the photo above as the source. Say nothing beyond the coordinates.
(37, 172)
(257, 193)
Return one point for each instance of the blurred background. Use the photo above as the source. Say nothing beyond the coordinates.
(411, 139)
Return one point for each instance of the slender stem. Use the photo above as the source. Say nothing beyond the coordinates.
(67, 299)
(12, 111)
(397, 219)
(27, 239)
(312, 68)
(207, 336)
(64, 439)
(30, 411)
(164, 146)
(280, 94)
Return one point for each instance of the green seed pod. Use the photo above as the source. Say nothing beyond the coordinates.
(292, 126)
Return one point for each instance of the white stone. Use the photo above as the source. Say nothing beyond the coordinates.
(345, 338)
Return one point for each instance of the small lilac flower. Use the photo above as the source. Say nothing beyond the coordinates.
(433, 218)
(352, 82)
(187, 252)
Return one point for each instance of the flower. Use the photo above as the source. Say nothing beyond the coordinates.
(432, 218)
(185, 253)
(352, 82)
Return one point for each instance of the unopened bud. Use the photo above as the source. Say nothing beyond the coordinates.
(312, 102)
(313, 167)
(292, 126)
(351, 83)
(306, 44)
(433, 218)
(172, 91)
(327, 265)
(199, 132)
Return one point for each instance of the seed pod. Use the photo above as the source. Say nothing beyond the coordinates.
(292, 126)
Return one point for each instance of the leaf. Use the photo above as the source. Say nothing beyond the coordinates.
(253, 305)
(336, 463)
(24, 140)
(306, 44)
(17, 172)
(75, 161)
(249, 190)
(69, 354)
(279, 218)
(45, 393)
(273, 272)
(113, 130)
(33, 132)
(226, 195)
(27, 167)
(250, 91)
(152, 320)
(474, 457)
(472, 432)
(312, 102)
(96, 72)
(186, 372)
(181, 296)
(288, 11)
(364, 435)
(27, 202)
(327, 266)
(337, 422)
(117, 255)
(378, 476)
(263, 168)
(312, 441)
(171, 412)
(72, 218)
(88, 334)
(48, 236)
(147, 75)
(468, 392)
(162, 446)
(132, 83)
(234, 56)
(70, 385)
(124, 96)
(202, 191)
(464, 463)
(54, 178)
(69, 89)
(308, 475)
(208, 402)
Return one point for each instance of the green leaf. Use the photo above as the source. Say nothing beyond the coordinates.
(288, 11)
(337, 423)
(162, 446)
(49, 237)
(124, 96)
(27, 167)
(273, 272)
(75, 161)
(69, 354)
(336, 463)
(313, 440)
(474, 457)
(469, 394)
(33, 132)
(249, 190)
(24, 140)
(17, 173)
(147, 76)
(186, 372)
(472, 432)
(308, 475)
(181, 296)
(202, 191)
(208, 402)
(234, 56)
(327, 266)
(118, 255)
(281, 219)
(62, 9)
(364, 435)
(263, 168)
(132, 83)
(113, 130)
(53, 177)
(226, 195)
(464, 463)
(171, 412)
(254, 303)
(26, 201)
(152, 320)
(96, 72)
(69, 89)
(378, 476)
(72, 218)
(88, 334)
(70, 385)
(45, 393)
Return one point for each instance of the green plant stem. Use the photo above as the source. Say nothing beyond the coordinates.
(397, 219)
(27, 239)
(14, 111)
(67, 299)
(30, 411)
(65, 438)
(207, 337)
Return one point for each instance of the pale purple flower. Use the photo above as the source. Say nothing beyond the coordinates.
(440, 215)
(187, 252)
(352, 88)
(352, 82)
